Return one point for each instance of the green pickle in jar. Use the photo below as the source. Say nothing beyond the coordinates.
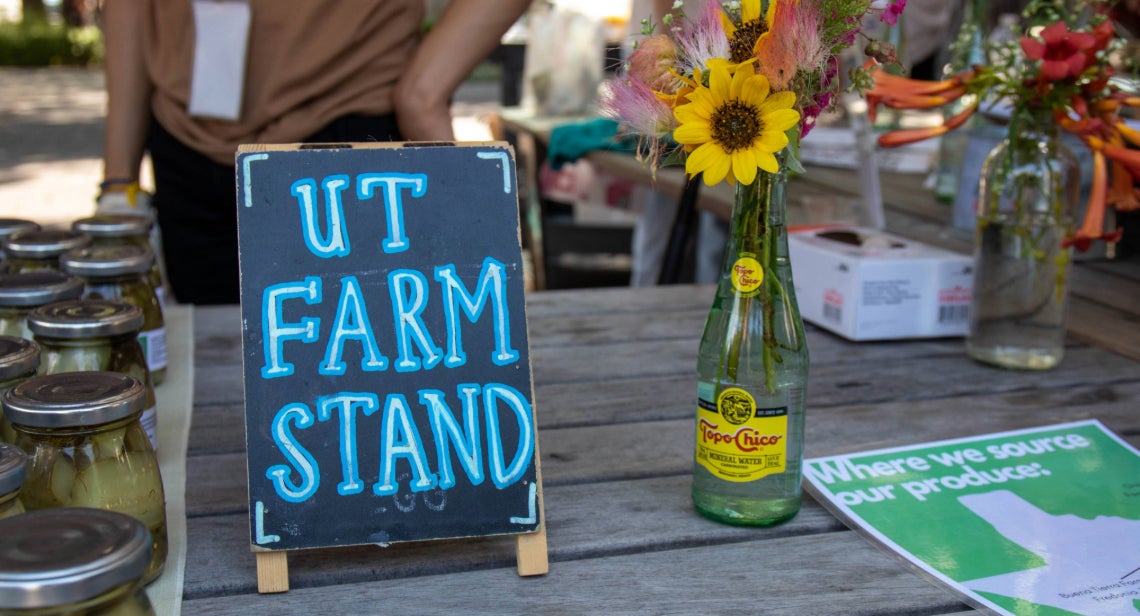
(33, 251)
(22, 293)
(86, 448)
(85, 335)
(13, 472)
(120, 273)
(74, 562)
(19, 360)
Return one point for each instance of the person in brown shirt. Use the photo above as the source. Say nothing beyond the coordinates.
(315, 71)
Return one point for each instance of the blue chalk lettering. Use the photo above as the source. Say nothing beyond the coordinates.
(408, 290)
(532, 508)
(335, 243)
(392, 185)
(492, 285)
(274, 331)
(447, 431)
(345, 404)
(299, 457)
(504, 475)
(259, 527)
(247, 182)
(352, 323)
(504, 164)
(401, 439)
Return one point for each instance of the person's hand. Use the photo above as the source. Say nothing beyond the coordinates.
(123, 198)
(422, 111)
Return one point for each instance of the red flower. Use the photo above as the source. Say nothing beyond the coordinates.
(1061, 52)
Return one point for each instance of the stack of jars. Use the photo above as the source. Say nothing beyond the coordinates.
(82, 346)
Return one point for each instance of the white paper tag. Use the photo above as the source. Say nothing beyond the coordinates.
(221, 36)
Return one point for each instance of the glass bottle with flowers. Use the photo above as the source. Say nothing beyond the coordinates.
(1058, 77)
(732, 89)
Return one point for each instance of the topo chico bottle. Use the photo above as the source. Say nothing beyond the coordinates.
(752, 372)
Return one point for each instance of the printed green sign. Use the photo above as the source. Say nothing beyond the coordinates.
(1044, 521)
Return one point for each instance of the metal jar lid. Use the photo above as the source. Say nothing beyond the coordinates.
(74, 399)
(43, 244)
(80, 319)
(38, 288)
(99, 261)
(8, 226)
(56, 557)
(113, 225)
(13, 468)
(18, 357)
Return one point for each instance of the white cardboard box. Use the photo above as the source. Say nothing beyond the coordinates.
(864, 284)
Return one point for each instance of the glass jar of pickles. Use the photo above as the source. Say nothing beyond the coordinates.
(82, 335)
(123, 230)
(86, 448)
(13, 471)
(19, 360)
(121, 272)
(20, 293)
(73, 562)
(31, 251)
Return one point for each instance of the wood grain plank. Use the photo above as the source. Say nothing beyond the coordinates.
(583, 521)
(1107, 287)
(1107, 327)
(864, 374)
(216, 484)
(780, 576)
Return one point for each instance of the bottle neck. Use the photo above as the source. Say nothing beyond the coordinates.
(757, 247)
(759, 212)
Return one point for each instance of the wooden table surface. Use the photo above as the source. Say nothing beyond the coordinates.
(614, 396)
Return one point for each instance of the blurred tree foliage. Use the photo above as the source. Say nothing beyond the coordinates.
(38, 41)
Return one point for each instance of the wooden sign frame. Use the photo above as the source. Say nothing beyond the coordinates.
(306, 231)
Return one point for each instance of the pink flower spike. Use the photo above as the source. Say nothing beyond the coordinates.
(891, 14)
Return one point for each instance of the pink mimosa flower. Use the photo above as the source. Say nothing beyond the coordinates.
(891, 14)
(651, 61)
(702, 39)
(792, 45)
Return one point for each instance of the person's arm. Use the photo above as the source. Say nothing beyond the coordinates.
(128, 93)
(465, 34)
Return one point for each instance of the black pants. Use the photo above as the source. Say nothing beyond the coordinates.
(196, 202)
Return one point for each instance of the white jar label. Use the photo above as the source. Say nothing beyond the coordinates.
(154, 348)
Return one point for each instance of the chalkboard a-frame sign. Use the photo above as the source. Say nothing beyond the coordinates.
(388, 390)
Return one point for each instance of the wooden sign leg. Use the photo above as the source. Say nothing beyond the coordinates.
(530, 551)
(272, 571)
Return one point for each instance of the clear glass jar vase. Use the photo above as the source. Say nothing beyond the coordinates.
(752, 371)
(13, 473)
(73, 562)
(86, 448)
(1029, 190)
(124, 230)
(122, 272)
(84, 335)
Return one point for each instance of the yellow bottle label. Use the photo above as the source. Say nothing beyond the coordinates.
(737, 441)
(747, 275)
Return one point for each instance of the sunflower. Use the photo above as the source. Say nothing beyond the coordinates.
(734, 126)
(743, 37)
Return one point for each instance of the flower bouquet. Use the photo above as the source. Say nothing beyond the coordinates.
(1058, 77)
(731, 88)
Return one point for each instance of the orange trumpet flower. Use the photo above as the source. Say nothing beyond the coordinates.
(1093, 227)
(896, 138)
(1131, 135)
